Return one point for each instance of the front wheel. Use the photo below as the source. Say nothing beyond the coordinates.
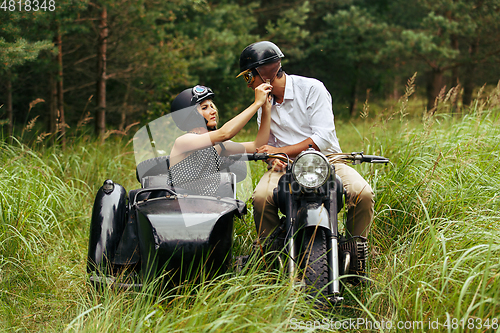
(314, 260)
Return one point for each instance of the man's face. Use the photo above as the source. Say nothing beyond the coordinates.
(265, 73)
(256, 82)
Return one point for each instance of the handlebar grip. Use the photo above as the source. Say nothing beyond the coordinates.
(249, 157)
(374, 159)
(258, 156)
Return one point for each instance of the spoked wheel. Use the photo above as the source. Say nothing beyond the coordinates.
(314, 261)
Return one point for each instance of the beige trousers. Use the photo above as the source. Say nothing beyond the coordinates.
(359, 202)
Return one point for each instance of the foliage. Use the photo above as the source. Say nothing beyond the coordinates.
(156, 49)
(15, 54)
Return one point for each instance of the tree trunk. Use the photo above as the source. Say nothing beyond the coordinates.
(10, 112)
(396, 84)
(60, 90)
(469, 75)
(434, 86)
(454, 71)
(101, 74)
(124, 110)
(455, 80)
(53, 116)
(396, 87)
(354, 92)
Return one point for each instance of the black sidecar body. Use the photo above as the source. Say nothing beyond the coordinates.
(161, 230)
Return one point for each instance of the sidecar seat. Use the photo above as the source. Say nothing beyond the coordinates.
(154, 166)
(155, 173)
(225, 184)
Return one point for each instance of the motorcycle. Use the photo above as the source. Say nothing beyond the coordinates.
(176, 234)
(307, 242)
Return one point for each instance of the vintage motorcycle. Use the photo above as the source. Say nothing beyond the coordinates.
(307, 242)
(173, 232)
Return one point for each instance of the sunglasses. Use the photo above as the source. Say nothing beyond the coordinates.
(250, 75)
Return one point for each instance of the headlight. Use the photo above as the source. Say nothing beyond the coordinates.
(311, 169)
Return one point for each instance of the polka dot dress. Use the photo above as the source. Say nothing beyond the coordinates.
(199, 172)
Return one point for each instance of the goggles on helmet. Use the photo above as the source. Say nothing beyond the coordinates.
(200, 93)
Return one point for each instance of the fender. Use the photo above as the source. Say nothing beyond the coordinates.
(106, 228)
(312, 215)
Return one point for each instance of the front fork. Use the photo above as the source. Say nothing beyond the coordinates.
(333, 254)
(291, 231)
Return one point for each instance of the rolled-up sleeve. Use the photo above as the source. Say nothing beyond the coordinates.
(319, 108)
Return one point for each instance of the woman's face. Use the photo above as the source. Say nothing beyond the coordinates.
(208, 110)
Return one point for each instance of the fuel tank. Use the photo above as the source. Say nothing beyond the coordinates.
(184, 234)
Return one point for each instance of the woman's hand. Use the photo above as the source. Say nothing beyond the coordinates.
(262, 94)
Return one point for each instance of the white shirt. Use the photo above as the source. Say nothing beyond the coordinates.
(306, 112)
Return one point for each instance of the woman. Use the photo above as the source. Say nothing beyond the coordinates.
(195, 158)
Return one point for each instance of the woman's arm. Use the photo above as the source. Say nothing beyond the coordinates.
(191, 142)
(262, 137)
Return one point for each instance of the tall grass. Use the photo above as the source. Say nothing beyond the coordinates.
(35, 206)
(435, 240)
(46, 198)
(436, 234)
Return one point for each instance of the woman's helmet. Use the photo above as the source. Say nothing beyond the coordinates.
(184, 107)
(258, 54)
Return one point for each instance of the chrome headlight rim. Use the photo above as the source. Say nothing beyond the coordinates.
(324, 160)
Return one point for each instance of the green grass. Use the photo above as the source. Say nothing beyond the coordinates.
(435, 240)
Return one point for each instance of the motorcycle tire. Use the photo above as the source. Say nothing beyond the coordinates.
(314, 260)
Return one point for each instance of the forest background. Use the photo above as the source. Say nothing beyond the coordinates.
(114, 63)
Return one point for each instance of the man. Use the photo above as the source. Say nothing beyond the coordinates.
(301, 116)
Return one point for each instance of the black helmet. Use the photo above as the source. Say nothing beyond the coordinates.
(184, 111)
(258, 54)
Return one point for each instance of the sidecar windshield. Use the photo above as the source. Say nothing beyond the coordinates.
(205, 171)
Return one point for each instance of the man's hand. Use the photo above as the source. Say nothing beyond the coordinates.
(268, 149)
(276, 165)
(292, 150)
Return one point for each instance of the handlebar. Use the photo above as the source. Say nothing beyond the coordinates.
(375, 159)
(357, 158)
(259, 157)
(368, 158)
(354, 158)
(249, 157)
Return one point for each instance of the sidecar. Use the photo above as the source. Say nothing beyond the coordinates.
(161, 230)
